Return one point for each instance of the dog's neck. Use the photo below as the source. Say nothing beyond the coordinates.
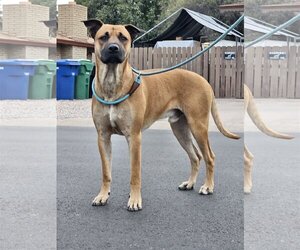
(113, 80)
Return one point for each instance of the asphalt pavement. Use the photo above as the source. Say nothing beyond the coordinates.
(272, 210)
(170, 219)
(49, 177)
(27, 188)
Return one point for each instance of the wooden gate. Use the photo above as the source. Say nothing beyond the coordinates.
(273, 71)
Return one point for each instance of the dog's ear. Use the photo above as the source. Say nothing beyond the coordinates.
(133, 31)
(93, 25)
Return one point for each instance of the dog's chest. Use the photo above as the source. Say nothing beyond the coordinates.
(119, 119)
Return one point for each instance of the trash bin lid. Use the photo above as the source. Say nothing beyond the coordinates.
(88, 64)
(18, 62)
(70, 62)
(84, 61)
(50, 64)
(7, 62)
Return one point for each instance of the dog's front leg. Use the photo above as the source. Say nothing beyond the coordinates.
(104, 145)
(135, 198)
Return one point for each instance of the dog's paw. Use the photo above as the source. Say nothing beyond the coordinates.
(101, 199)
(205, 190)
(247, 190)
(134, 203)
(185, 186)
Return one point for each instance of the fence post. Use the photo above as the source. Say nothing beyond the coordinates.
(291, 72)
(297, 91)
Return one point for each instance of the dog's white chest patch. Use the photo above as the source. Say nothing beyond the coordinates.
(114, 115)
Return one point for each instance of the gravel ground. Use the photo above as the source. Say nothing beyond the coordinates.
(78, 113)
(74, 109)
(16, 109)
(63, 109)
(13, 109)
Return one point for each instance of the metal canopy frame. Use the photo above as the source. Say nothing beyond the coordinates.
(205, 20)
(264, 27)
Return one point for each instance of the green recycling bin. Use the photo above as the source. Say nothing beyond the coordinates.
(82, 81)
(41, 83)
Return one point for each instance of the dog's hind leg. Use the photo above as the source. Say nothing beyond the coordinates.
(248, 163)
(183, 134)
(104, 145)
(200, 133)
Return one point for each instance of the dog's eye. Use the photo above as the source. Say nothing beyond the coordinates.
(122, 38)
(103, 38)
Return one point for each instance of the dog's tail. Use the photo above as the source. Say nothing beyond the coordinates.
(218, 122)
(257, 120)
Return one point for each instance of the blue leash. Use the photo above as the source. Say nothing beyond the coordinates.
(139, 73)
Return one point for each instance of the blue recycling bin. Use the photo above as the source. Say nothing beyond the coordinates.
(67, 70)
(14, 78)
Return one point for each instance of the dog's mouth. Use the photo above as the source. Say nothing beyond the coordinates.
(109, 57)
(112, 60)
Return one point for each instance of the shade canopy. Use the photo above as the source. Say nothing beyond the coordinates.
(263, 27)
(188, 25)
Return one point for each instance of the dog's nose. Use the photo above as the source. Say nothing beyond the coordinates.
(113, 48)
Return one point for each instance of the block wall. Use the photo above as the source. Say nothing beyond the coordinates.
(69, 21)
(24, 21)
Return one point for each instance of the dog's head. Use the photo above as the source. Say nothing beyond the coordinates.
(112, 42)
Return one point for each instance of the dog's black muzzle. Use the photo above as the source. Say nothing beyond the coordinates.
(112, 53)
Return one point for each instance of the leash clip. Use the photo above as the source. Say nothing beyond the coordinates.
(138, 78)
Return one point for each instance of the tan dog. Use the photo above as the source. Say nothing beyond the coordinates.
(183, 96)
(252, 111)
